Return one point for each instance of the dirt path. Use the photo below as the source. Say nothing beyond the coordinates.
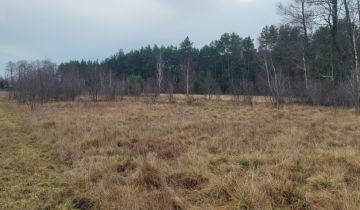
(29, 176)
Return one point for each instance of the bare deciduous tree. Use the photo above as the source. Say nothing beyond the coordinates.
(301, 14)
(351, 9)
(159, 73)
(170, 83)
(210, 85)
(93, 83)
(150, 90)
(187, 76)
(10, 71)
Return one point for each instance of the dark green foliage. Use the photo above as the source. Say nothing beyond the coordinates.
(225, 59)
(290, 62)
(231, 61)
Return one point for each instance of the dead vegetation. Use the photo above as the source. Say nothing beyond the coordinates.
(215, 155)
(29, 176)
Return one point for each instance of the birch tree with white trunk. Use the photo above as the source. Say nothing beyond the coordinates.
(300, 13)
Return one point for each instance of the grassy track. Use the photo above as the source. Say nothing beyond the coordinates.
(29, 177)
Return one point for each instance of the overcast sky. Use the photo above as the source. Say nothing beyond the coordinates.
(96, 29)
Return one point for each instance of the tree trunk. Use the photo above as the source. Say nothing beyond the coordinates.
(110, 80)
(159, 73)
(305, 71)
(187, 77)
(267, 72)
(306, 43)
(334, 30)
(350, 32)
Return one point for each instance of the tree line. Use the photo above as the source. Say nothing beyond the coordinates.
(311, 57)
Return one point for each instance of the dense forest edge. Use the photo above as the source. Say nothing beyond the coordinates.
(312, 58)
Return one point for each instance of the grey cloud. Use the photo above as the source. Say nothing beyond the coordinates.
(95, 29)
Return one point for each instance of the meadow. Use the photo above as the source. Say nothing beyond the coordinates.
(207, 154)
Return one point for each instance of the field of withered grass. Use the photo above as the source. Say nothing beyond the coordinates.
(205, 155)
(30, 177)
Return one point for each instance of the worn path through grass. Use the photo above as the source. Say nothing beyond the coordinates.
(29, 176)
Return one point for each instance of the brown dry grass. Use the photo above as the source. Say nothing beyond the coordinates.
(212, 155)
(29, 176)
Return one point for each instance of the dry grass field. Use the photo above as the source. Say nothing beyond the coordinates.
(204, 155)
(30, 176)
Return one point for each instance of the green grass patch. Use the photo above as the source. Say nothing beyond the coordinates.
(4, 106)
(29, 176)
(322, 183)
